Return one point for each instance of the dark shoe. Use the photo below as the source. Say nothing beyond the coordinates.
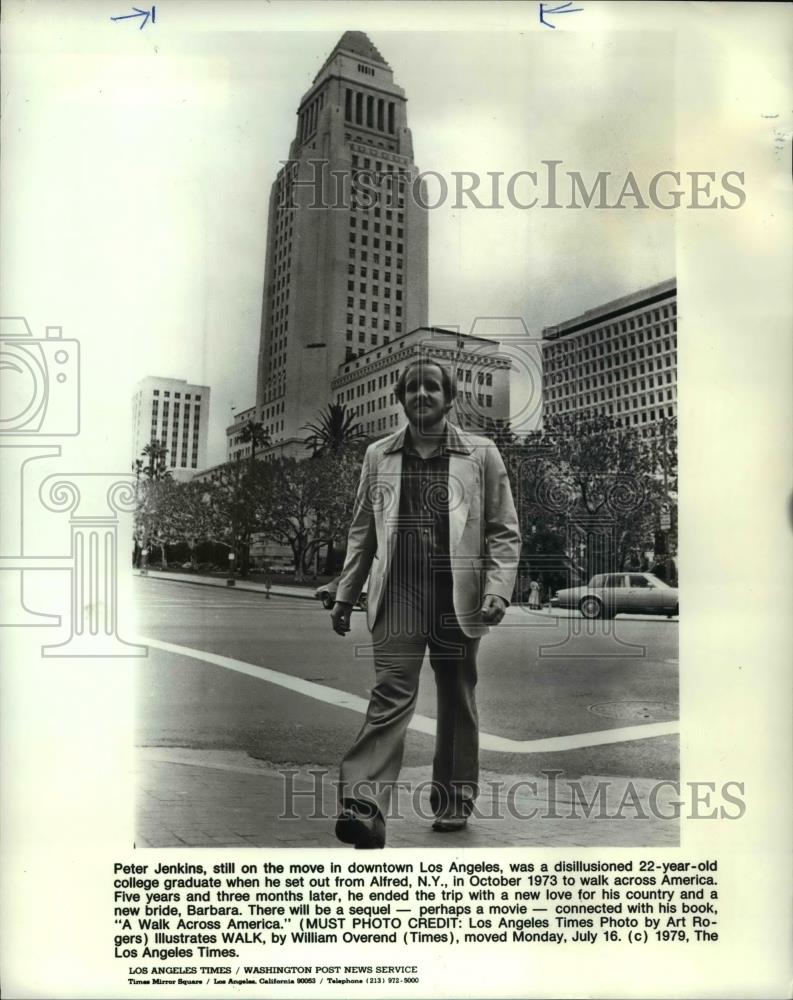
(356, 827)
(450, 824)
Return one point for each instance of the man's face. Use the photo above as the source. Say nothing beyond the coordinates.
(425, 403)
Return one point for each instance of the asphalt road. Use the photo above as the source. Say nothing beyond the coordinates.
(540, 676)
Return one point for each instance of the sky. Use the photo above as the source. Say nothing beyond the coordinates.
(145, 159)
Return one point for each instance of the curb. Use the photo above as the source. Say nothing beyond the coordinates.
(250, 588)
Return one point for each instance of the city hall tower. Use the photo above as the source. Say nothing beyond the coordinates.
(346, 261)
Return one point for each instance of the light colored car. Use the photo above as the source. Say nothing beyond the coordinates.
(609, 594)
(327, 594)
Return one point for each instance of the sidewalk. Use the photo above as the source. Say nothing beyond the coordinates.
(217, 798)
(307, 593)
(282, 590)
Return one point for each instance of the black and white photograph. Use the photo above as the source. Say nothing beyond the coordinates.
(427, 435)
(395, 403)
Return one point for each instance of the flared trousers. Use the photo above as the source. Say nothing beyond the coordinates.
(416, 617)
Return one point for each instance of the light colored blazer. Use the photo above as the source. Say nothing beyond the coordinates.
(484, 540)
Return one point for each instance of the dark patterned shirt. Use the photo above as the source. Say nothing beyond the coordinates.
(423, 529)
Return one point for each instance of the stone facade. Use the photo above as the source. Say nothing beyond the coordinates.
(346, 270)
(365, 385)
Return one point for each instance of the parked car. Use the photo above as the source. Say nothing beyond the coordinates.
(327, 594)
(609, 594)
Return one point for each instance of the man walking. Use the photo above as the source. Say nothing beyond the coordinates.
(435, 529)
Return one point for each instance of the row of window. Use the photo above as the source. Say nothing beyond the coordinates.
(161, 432)
(373, 304)
(370, 140)
(376, 226)
(184, 465)
(373, 323)
(373, 405)
(369, 111)
(605, 394)
(176, 395)
(175, 418)
(363, 240)
(271, 411)
(632, 419)
(622, 388)
(553, 362)
(377, 213)
(380, 167)
(634, 323)
(627, 332)
(619, 375)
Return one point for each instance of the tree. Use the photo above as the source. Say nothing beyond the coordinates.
(333, 431)
(156, 466)
(531, 467)
(157, 513)
(306, 504)
(500, 433)
(150, 468)
(193, 517)
(602, 478)
(253, 431)
(234, 501)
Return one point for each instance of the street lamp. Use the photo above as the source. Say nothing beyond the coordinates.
(231, 582)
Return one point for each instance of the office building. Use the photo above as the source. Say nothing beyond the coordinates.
(175, 414)
(618, 360)
(345, 271)
(366, 384)
(237, 447)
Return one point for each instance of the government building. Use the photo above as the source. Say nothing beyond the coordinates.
(175, 414)
(366, 384)
(618, 360)
(345, 269)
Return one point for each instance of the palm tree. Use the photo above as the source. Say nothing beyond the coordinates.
(334, 429)
(253, 431)
(156, 467)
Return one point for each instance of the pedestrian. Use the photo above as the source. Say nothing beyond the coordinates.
(435, 523)
(534, 595)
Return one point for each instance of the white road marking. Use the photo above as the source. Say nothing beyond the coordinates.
(421, 723)
(232, 607)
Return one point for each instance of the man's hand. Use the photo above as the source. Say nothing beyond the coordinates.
(340, 617)
(493, 609)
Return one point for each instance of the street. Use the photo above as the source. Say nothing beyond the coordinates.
(592, 700)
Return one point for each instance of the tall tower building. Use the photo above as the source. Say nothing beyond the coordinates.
(346, 264)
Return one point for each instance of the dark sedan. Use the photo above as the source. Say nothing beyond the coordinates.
(327, 594)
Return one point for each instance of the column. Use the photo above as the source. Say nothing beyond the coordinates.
(94, 502)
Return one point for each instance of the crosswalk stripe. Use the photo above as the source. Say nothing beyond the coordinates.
(421, 723)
